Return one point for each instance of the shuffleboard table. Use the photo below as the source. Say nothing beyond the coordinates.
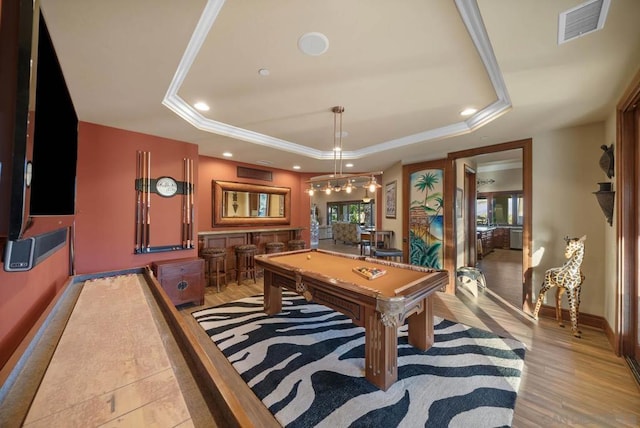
(379, 305)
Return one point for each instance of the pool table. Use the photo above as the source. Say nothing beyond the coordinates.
(379, 305)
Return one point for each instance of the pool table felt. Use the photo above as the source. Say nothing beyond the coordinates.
(340, 268)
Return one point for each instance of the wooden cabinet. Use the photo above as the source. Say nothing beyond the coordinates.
(486, 240)
(181, 279)
(501, 238)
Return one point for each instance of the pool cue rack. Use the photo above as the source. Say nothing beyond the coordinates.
(145, 185)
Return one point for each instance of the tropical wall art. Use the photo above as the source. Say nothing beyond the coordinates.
(426, 218)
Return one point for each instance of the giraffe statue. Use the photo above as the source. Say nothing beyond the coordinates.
(567, 278)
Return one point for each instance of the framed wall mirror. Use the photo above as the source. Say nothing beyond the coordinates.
(241, 204)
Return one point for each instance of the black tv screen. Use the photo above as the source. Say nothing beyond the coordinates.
(38, 128)
(55, 143)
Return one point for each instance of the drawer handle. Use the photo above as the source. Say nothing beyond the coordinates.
(182, 285)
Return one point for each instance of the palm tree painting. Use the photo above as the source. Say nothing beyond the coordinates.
(425, 219)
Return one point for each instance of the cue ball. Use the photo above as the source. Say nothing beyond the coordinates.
(308, 256)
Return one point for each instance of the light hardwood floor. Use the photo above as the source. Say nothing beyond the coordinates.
(503, 272)
(566, 381)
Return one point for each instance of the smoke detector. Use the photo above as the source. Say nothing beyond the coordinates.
(582, 20)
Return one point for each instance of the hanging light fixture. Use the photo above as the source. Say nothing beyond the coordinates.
(372, 185)
(337, 138)
(366, 198)
(348, 187)
(485, 181)
(338, 180)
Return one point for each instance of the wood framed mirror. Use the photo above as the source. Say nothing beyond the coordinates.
(241, 204)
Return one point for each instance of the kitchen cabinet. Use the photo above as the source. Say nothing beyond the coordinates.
(485, 237)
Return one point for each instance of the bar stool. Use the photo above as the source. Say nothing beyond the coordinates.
(215, 257)
(365, 242)
(245, 262)
(274, 247)
(387, 253)
(296, 244)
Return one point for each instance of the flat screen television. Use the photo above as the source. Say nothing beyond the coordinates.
(38, 128)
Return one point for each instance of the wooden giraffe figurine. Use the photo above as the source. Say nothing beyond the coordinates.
(567, 278)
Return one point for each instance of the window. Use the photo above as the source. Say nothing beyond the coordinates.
(351, 212)
(482, 214)
(500, 209)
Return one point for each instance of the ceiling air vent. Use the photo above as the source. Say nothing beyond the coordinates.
(583, 19)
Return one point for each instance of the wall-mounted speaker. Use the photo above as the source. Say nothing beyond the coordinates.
(23, 254)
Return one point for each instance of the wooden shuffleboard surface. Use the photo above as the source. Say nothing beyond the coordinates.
(113, 350)
(110, 365)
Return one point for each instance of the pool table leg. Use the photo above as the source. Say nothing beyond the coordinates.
(381, 351)
(272, 295)
(421, 326)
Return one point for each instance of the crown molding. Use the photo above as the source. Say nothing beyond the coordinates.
(472, 19)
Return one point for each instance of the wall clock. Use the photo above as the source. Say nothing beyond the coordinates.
(166, 186)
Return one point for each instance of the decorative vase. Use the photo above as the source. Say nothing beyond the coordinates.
(314, 229)
(606, 160)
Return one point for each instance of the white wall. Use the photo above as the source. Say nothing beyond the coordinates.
(395, 224)
(565, 175)
(505, 180)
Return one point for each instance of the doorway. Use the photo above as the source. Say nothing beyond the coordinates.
(507, 210)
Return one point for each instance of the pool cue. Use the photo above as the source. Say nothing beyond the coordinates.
(143, 223)
(184, 204)
(191, 188)
(148, 225)
(139, 202)
(187, 202)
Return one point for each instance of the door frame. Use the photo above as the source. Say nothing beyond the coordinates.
(527, 194)
(627, 157)
(469, 210)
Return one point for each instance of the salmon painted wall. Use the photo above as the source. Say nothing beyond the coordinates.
(220, 169)
(106, 198)
(105, 218)
(25, 295)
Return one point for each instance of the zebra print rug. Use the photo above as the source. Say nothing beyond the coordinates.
(307, 366)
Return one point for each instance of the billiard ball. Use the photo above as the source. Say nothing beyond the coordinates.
(308, 256)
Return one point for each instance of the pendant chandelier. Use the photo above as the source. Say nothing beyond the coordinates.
(338, 180)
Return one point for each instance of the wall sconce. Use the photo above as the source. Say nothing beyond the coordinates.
(606, 198)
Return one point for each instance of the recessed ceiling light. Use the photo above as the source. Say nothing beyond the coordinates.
(202, 106)
(468, 111)
(349, 165)
(227, 154)
(296, 167)
(264, 72)
(313, 44)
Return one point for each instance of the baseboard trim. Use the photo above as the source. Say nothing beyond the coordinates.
(635, 369)
(590, 320)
